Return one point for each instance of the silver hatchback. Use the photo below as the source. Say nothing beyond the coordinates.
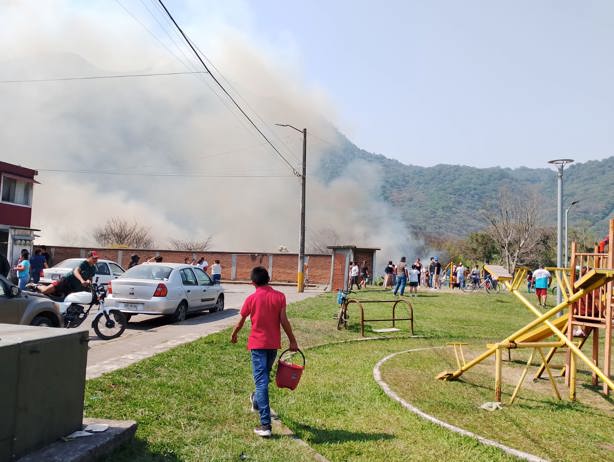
(170, 289)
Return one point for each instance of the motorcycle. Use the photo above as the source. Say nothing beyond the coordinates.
(75, 307)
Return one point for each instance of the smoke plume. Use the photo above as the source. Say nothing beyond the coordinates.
(171, 152)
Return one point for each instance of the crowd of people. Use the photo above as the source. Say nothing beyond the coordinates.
(26, 267)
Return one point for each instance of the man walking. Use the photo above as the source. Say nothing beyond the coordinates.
(266, 309)
(542, 279)
(354, 273)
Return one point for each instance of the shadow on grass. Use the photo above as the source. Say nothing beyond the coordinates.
(320, 435)
(139, 450)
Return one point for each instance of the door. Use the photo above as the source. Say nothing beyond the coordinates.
(11, 308)
(190, 285)
(208, 290)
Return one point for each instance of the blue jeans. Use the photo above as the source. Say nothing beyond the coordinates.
(401, 281)
(262, 363)
(216, 278)
(23, 281)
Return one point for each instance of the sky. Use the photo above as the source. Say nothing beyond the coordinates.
(477, 83)
(481, 83)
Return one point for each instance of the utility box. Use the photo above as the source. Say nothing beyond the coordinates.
(42, 386)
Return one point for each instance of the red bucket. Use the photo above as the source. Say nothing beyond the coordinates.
(289, 374)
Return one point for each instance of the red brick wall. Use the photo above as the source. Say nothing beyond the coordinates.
(284, 265)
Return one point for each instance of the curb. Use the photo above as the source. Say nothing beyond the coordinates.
(377, 375)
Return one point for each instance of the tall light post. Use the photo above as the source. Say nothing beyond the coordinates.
(560, 165)
(300, 277)
(567, 229)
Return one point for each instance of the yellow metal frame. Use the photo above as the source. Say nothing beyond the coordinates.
(589, 282)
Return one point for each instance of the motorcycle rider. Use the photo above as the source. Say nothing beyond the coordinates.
(76, 281)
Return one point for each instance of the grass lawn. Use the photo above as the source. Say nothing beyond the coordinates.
(191, 402)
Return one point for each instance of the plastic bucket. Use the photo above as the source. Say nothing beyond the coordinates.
(289, 374)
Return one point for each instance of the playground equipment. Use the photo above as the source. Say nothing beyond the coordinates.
(587, 303)
(342, 319)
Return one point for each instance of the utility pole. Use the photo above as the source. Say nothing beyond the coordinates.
(300, 277)
(560, 165)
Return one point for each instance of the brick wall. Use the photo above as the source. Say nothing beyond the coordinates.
(235, 265)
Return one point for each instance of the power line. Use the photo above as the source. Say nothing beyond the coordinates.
(100, 77)
(294, 171)
(182, 175)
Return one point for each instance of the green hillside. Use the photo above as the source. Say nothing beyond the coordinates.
(449, 199)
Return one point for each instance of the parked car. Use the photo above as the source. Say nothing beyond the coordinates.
(106, 270)
(170, 289)
(21, 307)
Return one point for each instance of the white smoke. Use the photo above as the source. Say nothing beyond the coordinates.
(179, 134)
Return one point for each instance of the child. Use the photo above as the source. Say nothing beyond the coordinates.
(414, 279)
(266, 309)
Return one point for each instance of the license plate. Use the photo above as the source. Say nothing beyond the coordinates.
(55, 277)
(133, 306)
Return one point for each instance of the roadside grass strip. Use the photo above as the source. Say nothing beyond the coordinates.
(191, 403)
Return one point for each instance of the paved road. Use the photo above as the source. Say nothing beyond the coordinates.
(150, 335)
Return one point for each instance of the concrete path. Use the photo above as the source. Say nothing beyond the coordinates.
(150, 335)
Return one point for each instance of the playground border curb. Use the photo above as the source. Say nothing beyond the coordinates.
(377, 375)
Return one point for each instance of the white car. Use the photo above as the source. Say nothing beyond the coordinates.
(106, 270)
(170, 289)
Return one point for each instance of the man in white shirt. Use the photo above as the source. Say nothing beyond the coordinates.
(354, 273)
(542, 278)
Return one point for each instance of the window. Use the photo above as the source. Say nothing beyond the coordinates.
(116, 270)
(102, 269)
(16, 191)
(188, 278)
(203, 278)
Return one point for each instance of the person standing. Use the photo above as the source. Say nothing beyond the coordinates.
(216, 272)
(354, 275)
(414, 280)
(23, 270)
(460, 275)
(266, 308)
(134, 260)
(529, 281)
(388, 274)
(542, 279)
(37, 264)
(364, 275)
(46, 254)
(431, 271)
(401, 277)
(5, 266)
(437, 273)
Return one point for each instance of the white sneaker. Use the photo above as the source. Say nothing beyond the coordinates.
(263, 431)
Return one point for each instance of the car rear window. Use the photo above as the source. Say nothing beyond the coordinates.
(157, 272)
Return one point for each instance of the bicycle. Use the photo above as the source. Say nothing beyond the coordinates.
(343, 315)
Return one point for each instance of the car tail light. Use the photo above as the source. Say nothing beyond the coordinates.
(109, 288)
(161, 291)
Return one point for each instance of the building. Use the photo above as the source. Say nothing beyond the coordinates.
(16, 189)
(340, 263)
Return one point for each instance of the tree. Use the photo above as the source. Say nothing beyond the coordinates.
(191, 245)
(118, 232)
(321, 239)
(513, 226)
(480, 247)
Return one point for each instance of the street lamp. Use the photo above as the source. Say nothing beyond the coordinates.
(560, 165)
(300, 277)
(567, 230)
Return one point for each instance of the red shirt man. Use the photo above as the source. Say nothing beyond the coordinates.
(266, 309)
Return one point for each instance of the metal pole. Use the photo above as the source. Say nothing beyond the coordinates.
(301, 252)
(566, 235)
(560, 165)
(559, 228)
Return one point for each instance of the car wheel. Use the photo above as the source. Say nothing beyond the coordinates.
(180, 313)
(42, 321)
(219, 305)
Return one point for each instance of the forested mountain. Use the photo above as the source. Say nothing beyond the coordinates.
(449, 200)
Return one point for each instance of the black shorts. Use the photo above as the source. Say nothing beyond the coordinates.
(413, 284)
